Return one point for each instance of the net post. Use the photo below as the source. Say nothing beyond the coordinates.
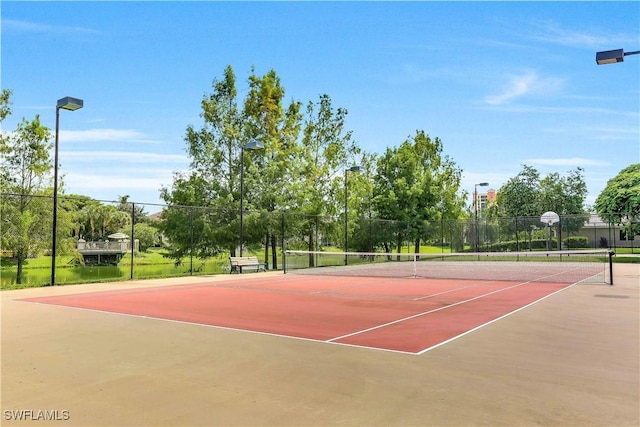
(611, 254)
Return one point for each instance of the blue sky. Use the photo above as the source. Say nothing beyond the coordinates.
(500, 83)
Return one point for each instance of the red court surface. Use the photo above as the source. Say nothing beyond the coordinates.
(408, 315)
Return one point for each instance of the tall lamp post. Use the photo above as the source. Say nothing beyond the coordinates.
(71, 104)
(251, 145)
(346, 199)
(475, 205)
(613, 56)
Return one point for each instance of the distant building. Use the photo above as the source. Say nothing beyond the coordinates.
(483, 200)
(601, 234)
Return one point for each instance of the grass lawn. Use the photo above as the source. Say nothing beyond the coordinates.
(37, 271)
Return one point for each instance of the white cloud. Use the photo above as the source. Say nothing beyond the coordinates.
(527, 83)
(517, 86)
(123, 157)
(34, 27)
(99, 135)
(92, 182)
(495, 179)
(571, 162)
(552, 32)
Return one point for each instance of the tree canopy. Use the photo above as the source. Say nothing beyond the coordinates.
(529, 195)
(25, 166)
(417, 184)
(274, 177)
(619, 202)
(302, 168)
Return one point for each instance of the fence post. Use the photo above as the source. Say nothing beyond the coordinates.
(609, 229)
(133, 237)
(560, 234)
(191, 241)
(284, 258)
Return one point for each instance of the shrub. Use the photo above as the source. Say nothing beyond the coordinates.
(576, 242)
(604, 243)
(146, 235)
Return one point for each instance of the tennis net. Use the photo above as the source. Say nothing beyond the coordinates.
(571, 266)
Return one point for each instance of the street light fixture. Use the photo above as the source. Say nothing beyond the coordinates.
(254, 146)
(475, 205)
(346, 217)
(612, 56)
(71, 104)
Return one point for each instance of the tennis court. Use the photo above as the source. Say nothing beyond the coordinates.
(408, 315)
(326, 347)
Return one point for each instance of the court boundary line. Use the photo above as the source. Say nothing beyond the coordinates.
(424, 297)
(424, 313)
(335, 339)
(205, 325)
(495, 320)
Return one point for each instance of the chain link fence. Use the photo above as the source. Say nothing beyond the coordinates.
(107, 240)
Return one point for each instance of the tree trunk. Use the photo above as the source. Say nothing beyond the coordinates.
(274, 253)
(20, 256)
(311, 256)
(387, 250)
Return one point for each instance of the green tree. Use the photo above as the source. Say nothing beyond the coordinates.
(96, 221)
(74, 206)
(363, 230)
(267, 172)
(417, 185)
(325, 151)
(527, 196)
(215, 151)
(5, 102)
(565, 195)
(619, 202)
(89, 219)
(519, 198)
(113, 220)
(135, 210)
(25, 173)
(213, 180)
(147, 235)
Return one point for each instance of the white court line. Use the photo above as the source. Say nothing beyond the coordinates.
(494, 320)
(330, 341)
(449, 291)
(424, 313)
(206, 325)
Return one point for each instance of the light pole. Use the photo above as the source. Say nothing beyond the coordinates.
(613, 56)
(346, 199)
(71, 104)
(475, 205)
(251, 145)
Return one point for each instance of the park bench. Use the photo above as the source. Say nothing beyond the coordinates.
(240, 262)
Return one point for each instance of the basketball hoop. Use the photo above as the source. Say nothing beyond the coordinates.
(549, 218)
